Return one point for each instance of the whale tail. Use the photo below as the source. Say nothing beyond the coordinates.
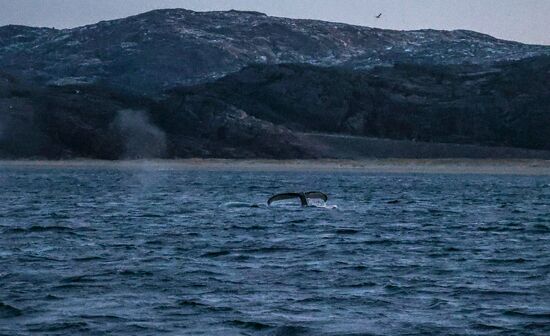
(302, 196)
(316, 195)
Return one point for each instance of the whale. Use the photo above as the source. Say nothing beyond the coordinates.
(302, 196)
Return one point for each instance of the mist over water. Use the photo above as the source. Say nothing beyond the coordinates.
(141, 138)
(1, 131)
(177, 251)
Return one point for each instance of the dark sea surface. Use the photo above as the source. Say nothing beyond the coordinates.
(138, 251)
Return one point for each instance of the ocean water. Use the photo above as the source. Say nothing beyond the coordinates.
(139, 251)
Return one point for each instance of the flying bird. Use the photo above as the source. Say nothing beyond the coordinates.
(378, 16)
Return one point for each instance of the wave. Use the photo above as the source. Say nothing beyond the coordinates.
(7, 311)
(60, 327)
(507, 261)
(197, 272)
(90, 258)
(215, 254)
(489, 327)
(296, 221)
(199, 305)
(286, 330)
(102, 318)
(250, 325)
(268, 249)
(40, 228)
(491, 292)
(291, 331)
(238, 205)
(137, 273)
(360, 284)
(541, 228)
(191, 303)
(78, 279)
(347, 231)
(545, 315)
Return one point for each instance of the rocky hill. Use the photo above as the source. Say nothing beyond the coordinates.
(264, 111)
(504, 104)
(178, 83)
(164, 49)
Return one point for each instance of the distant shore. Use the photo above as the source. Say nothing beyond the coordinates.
(427, 166)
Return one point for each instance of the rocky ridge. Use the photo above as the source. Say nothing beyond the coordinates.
(263, 111)
(163, 49)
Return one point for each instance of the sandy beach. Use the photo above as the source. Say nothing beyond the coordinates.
(431, 166)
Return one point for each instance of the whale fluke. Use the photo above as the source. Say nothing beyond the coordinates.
(317, 195)
(302, 196)
(286, 196)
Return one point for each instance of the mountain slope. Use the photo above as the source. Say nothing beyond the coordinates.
(163, 49)
(263, 111)
(96, 122)
(506, 104)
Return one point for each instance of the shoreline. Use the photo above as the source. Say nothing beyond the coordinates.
(417, 166)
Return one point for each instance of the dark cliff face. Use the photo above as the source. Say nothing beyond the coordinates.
(164, 49)
(262, 110)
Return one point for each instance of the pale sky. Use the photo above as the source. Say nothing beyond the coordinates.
(520, 20)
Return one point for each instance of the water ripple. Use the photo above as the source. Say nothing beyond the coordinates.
(132, 251)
